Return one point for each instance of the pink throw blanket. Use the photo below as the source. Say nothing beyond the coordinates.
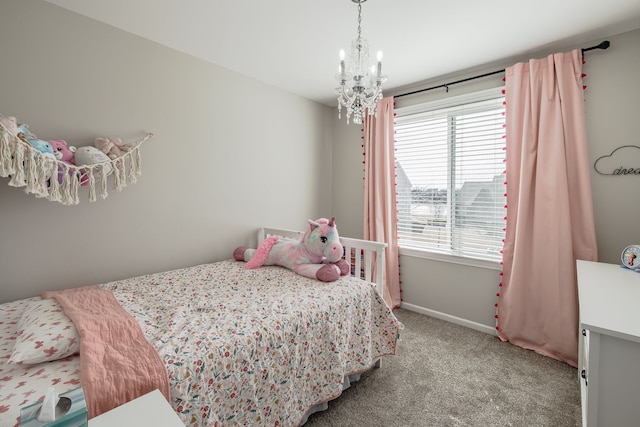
(117, 363)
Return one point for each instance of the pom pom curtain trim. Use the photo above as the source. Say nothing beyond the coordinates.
(39, 174)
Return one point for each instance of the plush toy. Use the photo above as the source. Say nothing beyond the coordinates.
(66, 153)
(90, 155)
(10, 123)
(112, 147)
(24, 130)
(39, 144)
(62, 151)
(318, 255)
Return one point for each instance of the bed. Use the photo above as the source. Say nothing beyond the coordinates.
(236, 346)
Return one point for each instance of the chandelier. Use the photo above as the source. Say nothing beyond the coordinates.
(360, 84)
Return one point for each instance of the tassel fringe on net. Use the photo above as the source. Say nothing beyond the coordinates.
(58, 181)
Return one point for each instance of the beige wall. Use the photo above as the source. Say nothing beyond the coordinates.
(229, 154)
(465, 294)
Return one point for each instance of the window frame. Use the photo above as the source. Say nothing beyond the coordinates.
(477, 96)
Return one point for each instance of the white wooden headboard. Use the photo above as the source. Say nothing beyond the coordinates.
(359, 253)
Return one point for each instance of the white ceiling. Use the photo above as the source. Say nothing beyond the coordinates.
(294, 44)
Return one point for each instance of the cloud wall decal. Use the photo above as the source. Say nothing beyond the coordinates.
(624, 160)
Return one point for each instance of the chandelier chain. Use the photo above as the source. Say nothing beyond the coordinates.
(359, 19)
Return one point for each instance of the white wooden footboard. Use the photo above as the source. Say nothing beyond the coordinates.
(365, 257)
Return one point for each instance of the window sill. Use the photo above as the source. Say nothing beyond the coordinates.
(434, 256)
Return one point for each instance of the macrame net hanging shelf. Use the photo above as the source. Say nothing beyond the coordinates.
(58, 181)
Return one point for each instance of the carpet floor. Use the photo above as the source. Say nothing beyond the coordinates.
(445, 374)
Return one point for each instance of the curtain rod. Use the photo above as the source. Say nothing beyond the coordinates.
(604, 45)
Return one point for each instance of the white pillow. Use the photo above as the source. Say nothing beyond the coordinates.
(45, 334)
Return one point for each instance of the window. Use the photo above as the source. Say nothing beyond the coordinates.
(450, 176)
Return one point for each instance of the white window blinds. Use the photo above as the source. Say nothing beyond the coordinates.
(450, 177)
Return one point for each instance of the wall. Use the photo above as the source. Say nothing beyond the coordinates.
(466, 294)
(219, 166)
(613, 111)
(348, 177)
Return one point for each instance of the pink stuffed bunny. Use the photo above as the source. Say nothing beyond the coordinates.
(112, 147)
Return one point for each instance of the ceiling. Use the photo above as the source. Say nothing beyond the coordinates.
(294, 44)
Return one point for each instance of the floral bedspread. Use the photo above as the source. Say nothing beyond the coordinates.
(248, 347)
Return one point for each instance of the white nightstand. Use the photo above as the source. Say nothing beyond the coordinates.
(150, 410)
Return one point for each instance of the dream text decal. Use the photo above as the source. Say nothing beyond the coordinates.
(624, 160)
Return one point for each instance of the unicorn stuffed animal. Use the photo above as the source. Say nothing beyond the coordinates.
(318, 255)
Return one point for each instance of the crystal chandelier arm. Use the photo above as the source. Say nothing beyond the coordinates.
(372, 96)
(345, 99)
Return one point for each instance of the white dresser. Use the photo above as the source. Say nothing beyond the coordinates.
(609, 351)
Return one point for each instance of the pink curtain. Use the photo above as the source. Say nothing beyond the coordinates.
(550, 213)
(380, 210)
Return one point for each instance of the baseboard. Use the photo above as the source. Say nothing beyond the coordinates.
(449, 318)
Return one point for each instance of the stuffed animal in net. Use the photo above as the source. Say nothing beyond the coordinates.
(66, 154)
(112, 147)
(63, 151)
(318, 255)
(10, 123)
(88, 155)
(38, 144)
